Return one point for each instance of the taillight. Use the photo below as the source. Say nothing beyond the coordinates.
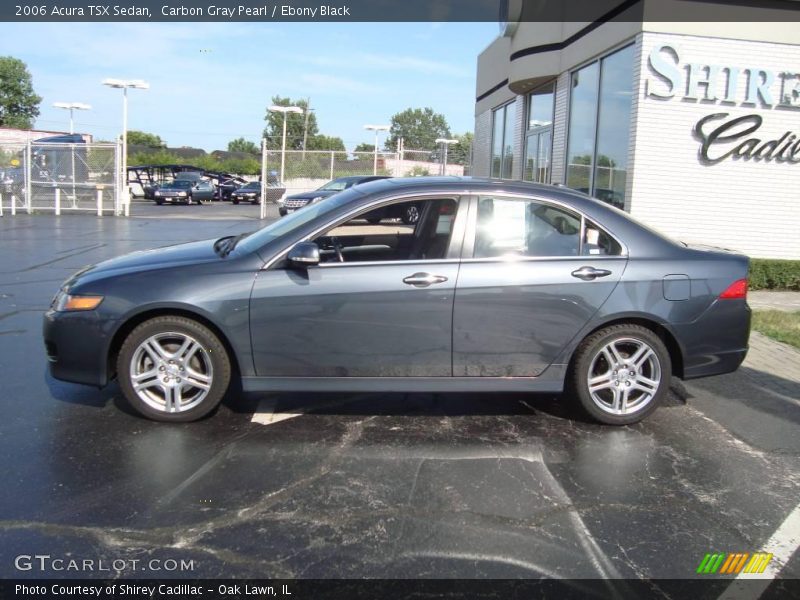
(738, 289)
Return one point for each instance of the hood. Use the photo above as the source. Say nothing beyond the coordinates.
(311, 195)
(169, 256)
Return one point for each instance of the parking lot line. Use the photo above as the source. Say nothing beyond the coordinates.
(782, 545)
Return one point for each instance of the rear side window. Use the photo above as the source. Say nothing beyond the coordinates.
(596, 241)
(521, 227)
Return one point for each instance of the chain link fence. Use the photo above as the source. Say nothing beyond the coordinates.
(307, 171)
(37, 177)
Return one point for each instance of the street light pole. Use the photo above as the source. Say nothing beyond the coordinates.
(124, 84)
(445, 143)
(376, 129)
(71, 107)
(285, 110)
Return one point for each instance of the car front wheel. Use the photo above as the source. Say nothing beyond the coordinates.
(173, 369)
(620, 374)
(410, 215)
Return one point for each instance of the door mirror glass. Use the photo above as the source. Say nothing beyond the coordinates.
(304, 254)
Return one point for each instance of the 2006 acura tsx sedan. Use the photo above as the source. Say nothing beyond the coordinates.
(498, 286)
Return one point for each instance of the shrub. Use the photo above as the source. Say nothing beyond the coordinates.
(772, 274)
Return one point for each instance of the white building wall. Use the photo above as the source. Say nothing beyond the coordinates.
(482, 146)
(752, 206)
(559, 151)
(519, 137)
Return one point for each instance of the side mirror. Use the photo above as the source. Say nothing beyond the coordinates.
(304, 254)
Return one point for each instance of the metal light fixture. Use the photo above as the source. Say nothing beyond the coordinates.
(376, 129)
(124, 84)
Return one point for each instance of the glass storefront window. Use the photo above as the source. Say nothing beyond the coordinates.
(503, 120)
(613, 127)
(582, 120)
(599, 127)
(539, 135)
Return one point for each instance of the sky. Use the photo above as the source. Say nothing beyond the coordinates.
(211, 82)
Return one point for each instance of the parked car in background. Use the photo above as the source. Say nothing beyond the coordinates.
(498, 286)
(184, 191)
(297, 201)
(249, 192)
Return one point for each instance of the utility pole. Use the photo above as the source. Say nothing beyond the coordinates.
(305, 126)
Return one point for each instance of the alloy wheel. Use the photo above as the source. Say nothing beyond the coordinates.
(624, 376)
(171, 372)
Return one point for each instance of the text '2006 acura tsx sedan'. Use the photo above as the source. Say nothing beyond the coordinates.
(498, 286)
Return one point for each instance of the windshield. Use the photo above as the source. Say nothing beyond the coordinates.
(336, 185)
(295, 220)
(252, 186)
(180, 184)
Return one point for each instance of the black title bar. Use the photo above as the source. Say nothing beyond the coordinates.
(337, 11)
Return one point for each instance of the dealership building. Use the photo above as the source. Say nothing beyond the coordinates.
(692, 127)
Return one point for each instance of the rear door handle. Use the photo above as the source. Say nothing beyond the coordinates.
(424, 279)
(590, 273)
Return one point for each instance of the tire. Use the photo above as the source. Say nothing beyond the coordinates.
(167, 393)
(410, 215)
(235, 201)
(620, 396)
(160, 202)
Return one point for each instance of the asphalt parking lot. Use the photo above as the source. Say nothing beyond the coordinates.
(367, 485)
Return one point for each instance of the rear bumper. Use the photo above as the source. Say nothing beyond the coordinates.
(76, 345)
(717, 342)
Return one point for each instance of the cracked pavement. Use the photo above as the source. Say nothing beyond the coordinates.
(368, 485)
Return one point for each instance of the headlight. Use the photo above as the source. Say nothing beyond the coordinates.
(67, 302)
(182, 194)
(317, 199)
(158, 193)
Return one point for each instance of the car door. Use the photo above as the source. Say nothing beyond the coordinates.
(386, 311)
(533, 275)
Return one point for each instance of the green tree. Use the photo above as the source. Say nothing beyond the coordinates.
(19, 104)
(243, 145)
(461, 152)
(419, 128)
(365, 148)
(142, 138)
(325, 142)
(295, 125)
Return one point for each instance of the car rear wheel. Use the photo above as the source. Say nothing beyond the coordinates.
(620, 374)
(173, 369)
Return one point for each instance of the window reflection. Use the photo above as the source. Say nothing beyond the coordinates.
(539, 135)
(503, 121)
(599, 127)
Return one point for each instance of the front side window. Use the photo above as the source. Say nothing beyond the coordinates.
(503, 120)
(520, 227)
(384, 234)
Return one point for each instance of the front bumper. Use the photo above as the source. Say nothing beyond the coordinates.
(77, 346)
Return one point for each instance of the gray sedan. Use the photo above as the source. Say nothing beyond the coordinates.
(499, 286)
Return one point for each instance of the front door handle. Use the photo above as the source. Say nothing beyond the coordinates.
(424, 279)
(590, 273)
